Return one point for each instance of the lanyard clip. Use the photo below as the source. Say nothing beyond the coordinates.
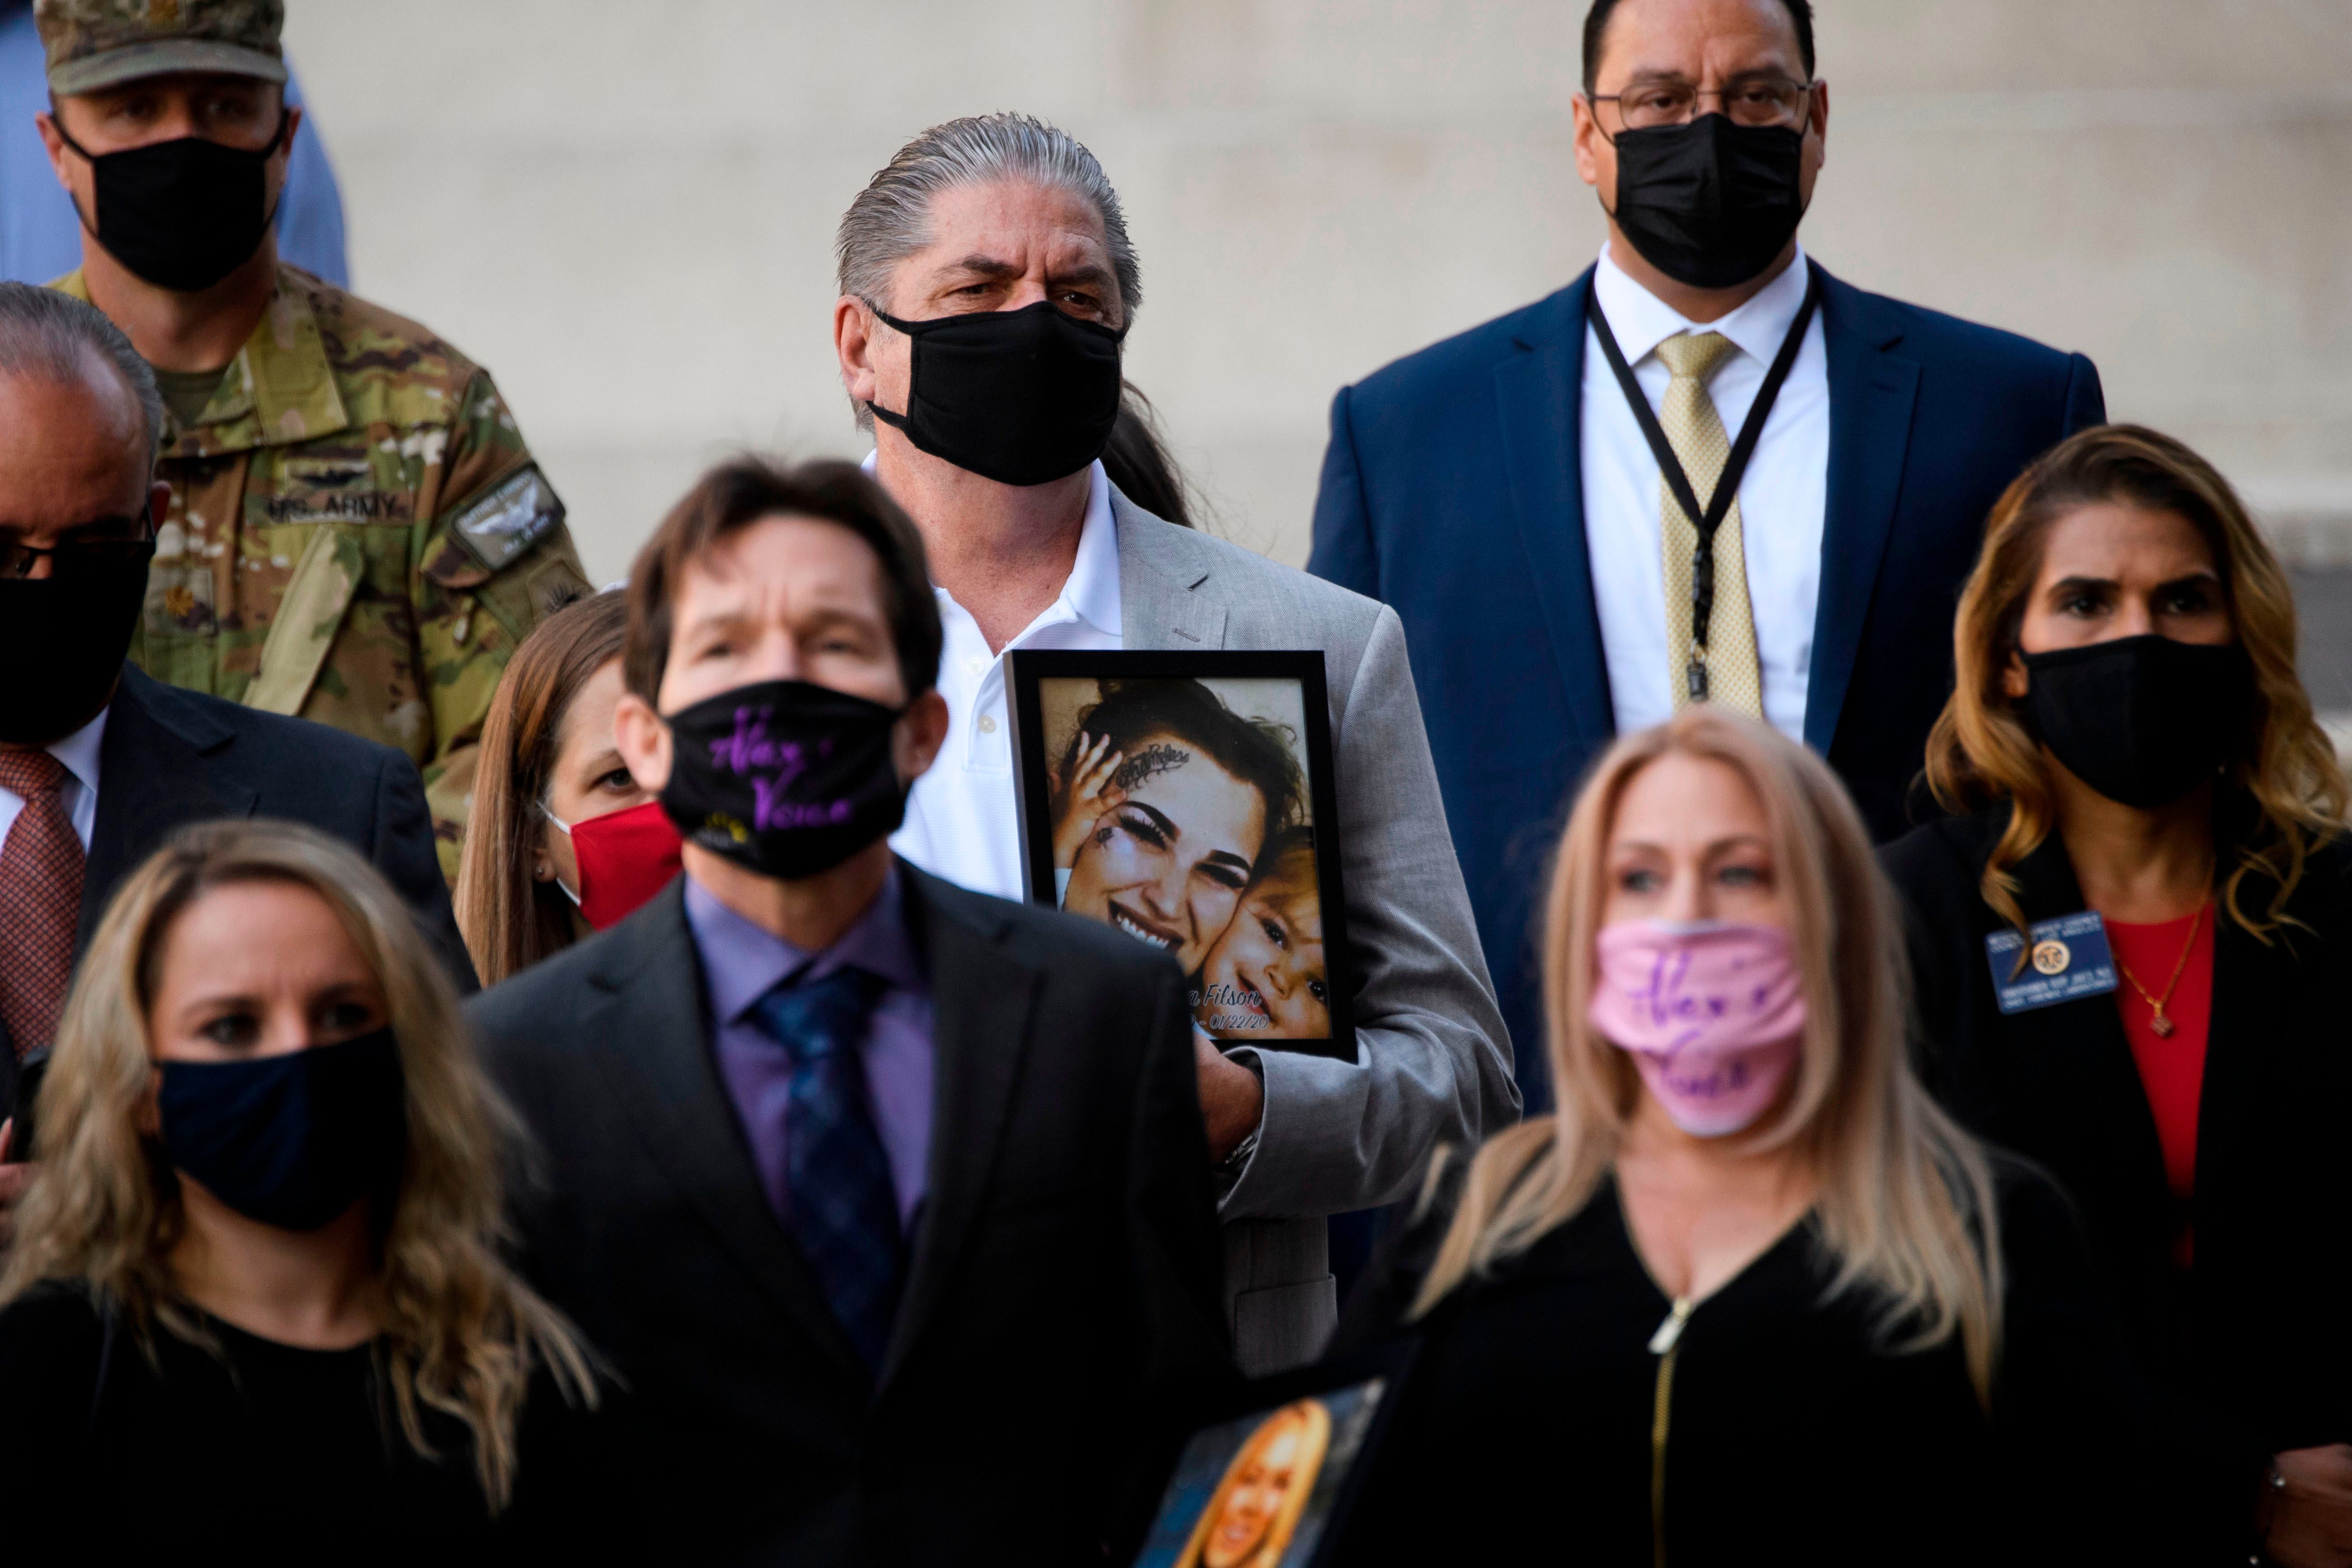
(1696, 674)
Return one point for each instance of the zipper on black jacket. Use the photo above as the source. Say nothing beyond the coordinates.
(1665, 1344)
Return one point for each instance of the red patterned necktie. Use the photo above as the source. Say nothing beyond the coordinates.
(40, 899)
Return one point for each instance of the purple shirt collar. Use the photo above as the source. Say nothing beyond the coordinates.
(742, 962)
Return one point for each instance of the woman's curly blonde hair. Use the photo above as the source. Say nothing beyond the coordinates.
(463, 1335)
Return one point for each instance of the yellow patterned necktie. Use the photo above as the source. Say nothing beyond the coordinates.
(1695, 433)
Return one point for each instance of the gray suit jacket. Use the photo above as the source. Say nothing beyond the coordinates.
(1433, 1062)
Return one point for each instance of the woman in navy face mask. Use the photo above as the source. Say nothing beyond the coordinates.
(2130, 950)
(255, 1294)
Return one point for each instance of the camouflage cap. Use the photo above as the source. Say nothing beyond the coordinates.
(97, 44)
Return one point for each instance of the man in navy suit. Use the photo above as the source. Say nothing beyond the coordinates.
(1508, 495)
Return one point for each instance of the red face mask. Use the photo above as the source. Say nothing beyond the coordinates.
(625, 857)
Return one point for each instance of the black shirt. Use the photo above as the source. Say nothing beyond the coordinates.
(1791, 1428)
(2253, 1326)
(276, 1454)
(2252, 1334)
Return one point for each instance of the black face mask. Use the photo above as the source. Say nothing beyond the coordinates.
(784, 778)
(1023, 398)
(1710, 204)
(2141, 720)
(292, 1141)
(73, 628)
(181, 215)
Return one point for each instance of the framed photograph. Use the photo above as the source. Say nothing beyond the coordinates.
(1187, 799)
(1273, 1486)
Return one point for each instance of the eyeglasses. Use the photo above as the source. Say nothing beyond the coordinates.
(1758, 101)
(108, 542)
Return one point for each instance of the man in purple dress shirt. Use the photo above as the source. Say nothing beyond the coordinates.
(880, 1196)
(742, 962)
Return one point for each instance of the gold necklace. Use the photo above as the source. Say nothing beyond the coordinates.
(2160, 1023)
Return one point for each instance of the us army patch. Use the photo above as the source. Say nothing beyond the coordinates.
(508, 521)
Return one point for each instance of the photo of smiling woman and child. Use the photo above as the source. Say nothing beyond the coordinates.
(1180, 811)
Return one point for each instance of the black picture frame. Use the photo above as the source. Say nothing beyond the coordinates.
(1030, 671)
(1218, 1430)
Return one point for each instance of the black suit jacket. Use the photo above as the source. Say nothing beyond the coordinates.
(1064, 1270)
(2253, 1332)
(172, 757)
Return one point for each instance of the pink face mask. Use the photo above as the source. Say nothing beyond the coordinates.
(1713, 1013)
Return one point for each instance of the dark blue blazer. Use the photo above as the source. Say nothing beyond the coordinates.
(1453, 492)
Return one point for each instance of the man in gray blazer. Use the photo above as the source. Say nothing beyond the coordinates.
(987, 285)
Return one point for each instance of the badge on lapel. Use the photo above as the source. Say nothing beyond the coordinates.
(2065, 959)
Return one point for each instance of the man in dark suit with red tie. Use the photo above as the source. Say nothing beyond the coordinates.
(98, 764)
(889, 1201)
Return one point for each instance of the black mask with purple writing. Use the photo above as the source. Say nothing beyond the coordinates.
(784, 778)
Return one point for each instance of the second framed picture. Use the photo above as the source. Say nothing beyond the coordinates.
(1187, 799)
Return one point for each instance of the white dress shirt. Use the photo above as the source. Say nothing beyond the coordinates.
(77, 791)
(1783, 496)
(964, 816)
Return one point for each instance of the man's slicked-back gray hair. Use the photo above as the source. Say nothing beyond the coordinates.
(891, 219)
(49, 336)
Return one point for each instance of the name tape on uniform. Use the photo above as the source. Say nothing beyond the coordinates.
(2067, 958)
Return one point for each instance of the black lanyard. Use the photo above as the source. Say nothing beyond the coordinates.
(1709, 518)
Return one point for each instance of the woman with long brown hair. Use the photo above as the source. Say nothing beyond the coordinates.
(1745, 1294)
(533, 881)
(256, 1297)
(2130, 942)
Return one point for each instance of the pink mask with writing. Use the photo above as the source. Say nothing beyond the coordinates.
(1713, 1013)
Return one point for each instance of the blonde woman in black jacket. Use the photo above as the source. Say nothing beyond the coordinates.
(258, 1294)
(1745, 1294)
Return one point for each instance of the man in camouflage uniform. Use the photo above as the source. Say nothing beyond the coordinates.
(357, 534)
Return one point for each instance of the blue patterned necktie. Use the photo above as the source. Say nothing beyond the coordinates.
(844, 1210)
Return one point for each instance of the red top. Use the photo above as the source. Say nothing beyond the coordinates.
(2171, 1068)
